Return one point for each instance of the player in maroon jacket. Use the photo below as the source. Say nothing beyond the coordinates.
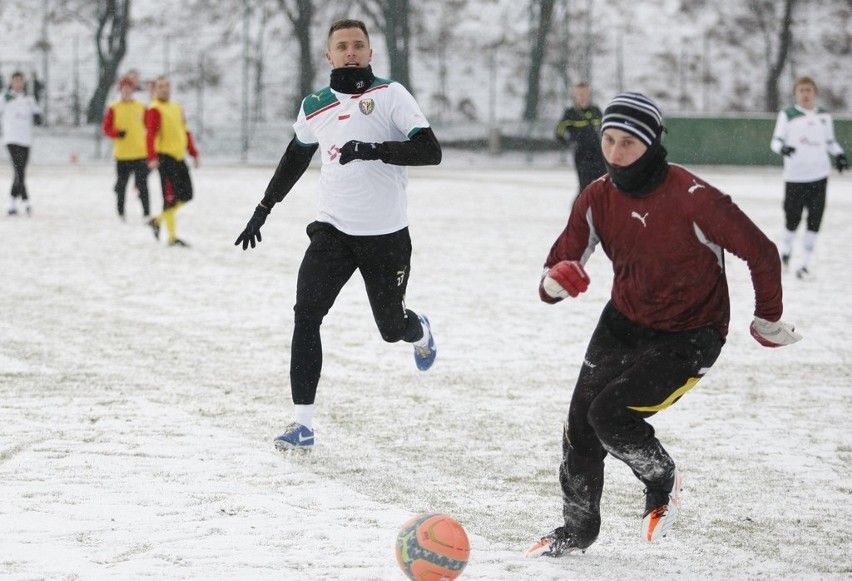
(665, 231)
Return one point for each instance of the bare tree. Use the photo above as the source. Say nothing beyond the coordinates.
(301, 15)
(392, 17)
(113, 24)
(539, 48)
(764, 11)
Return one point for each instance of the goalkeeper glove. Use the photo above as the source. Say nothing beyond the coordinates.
(564, 279)
(773, 334)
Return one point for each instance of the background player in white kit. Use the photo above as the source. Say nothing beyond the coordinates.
(804, 136)
(19, 111)
(367, 130)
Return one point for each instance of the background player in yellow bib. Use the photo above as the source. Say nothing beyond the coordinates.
(168, 140)
(124, 122)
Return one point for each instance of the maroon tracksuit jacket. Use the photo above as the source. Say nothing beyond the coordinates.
(666, 249)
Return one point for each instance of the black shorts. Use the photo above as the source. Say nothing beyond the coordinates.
(801, 195)
(175, 181)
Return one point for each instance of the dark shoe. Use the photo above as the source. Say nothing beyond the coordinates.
(178, 242)
(155, 226)
(13, 211)
(556, 543)
(785, 261)
(803, 274)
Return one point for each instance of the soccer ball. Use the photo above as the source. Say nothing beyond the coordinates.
(432, 547)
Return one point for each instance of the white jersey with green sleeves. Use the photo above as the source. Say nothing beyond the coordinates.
(812, 134)
(361, 198)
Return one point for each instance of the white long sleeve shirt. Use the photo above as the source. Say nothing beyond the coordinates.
(17, 110)
(811, 133)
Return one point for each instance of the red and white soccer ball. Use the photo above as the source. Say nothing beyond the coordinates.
(432, 547)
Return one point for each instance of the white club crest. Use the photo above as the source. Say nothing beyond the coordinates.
(366, 106)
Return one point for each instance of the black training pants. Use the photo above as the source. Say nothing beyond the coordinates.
(19, 154)
(330, 260)
(139, 169)
(629, 373)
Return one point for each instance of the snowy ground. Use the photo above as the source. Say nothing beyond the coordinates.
(141, 386)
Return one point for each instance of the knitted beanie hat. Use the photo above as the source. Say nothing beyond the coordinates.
(636, 114)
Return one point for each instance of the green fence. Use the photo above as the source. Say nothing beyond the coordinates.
(732, 140)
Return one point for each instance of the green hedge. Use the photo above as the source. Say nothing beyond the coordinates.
(732, 141)
(690, 140)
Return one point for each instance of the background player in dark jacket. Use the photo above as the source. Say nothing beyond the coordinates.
(580, 129)
(665, 231)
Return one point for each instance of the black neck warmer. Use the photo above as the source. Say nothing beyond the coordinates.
(644, 174)
(352, 80)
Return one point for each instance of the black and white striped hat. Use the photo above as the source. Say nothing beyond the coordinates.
(636, 114)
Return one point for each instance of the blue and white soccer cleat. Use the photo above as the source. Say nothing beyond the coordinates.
(424, 357)
(295, 437)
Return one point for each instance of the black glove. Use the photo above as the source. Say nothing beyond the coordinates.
(359, 150)
(252, 230)
(37, 120)
(121, 134)
(787, 151)
(841, 163)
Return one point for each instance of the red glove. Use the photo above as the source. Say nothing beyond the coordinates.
(564, 279)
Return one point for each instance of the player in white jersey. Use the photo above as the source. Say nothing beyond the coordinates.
(804, 136)
(367, 130)
(19, 111)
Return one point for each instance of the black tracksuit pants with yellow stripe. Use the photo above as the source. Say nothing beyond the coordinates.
(629, 373)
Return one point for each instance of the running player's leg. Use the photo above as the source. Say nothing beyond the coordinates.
(385, 263)
(181, 185)
(794, 205)
(581, 474)
(122, 170)
(19, 156)
(665, 367)
(815, 204)
(327, 265)
(170, 199)
(140, 178)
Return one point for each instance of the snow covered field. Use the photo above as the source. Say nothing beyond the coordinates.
(141, 387)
